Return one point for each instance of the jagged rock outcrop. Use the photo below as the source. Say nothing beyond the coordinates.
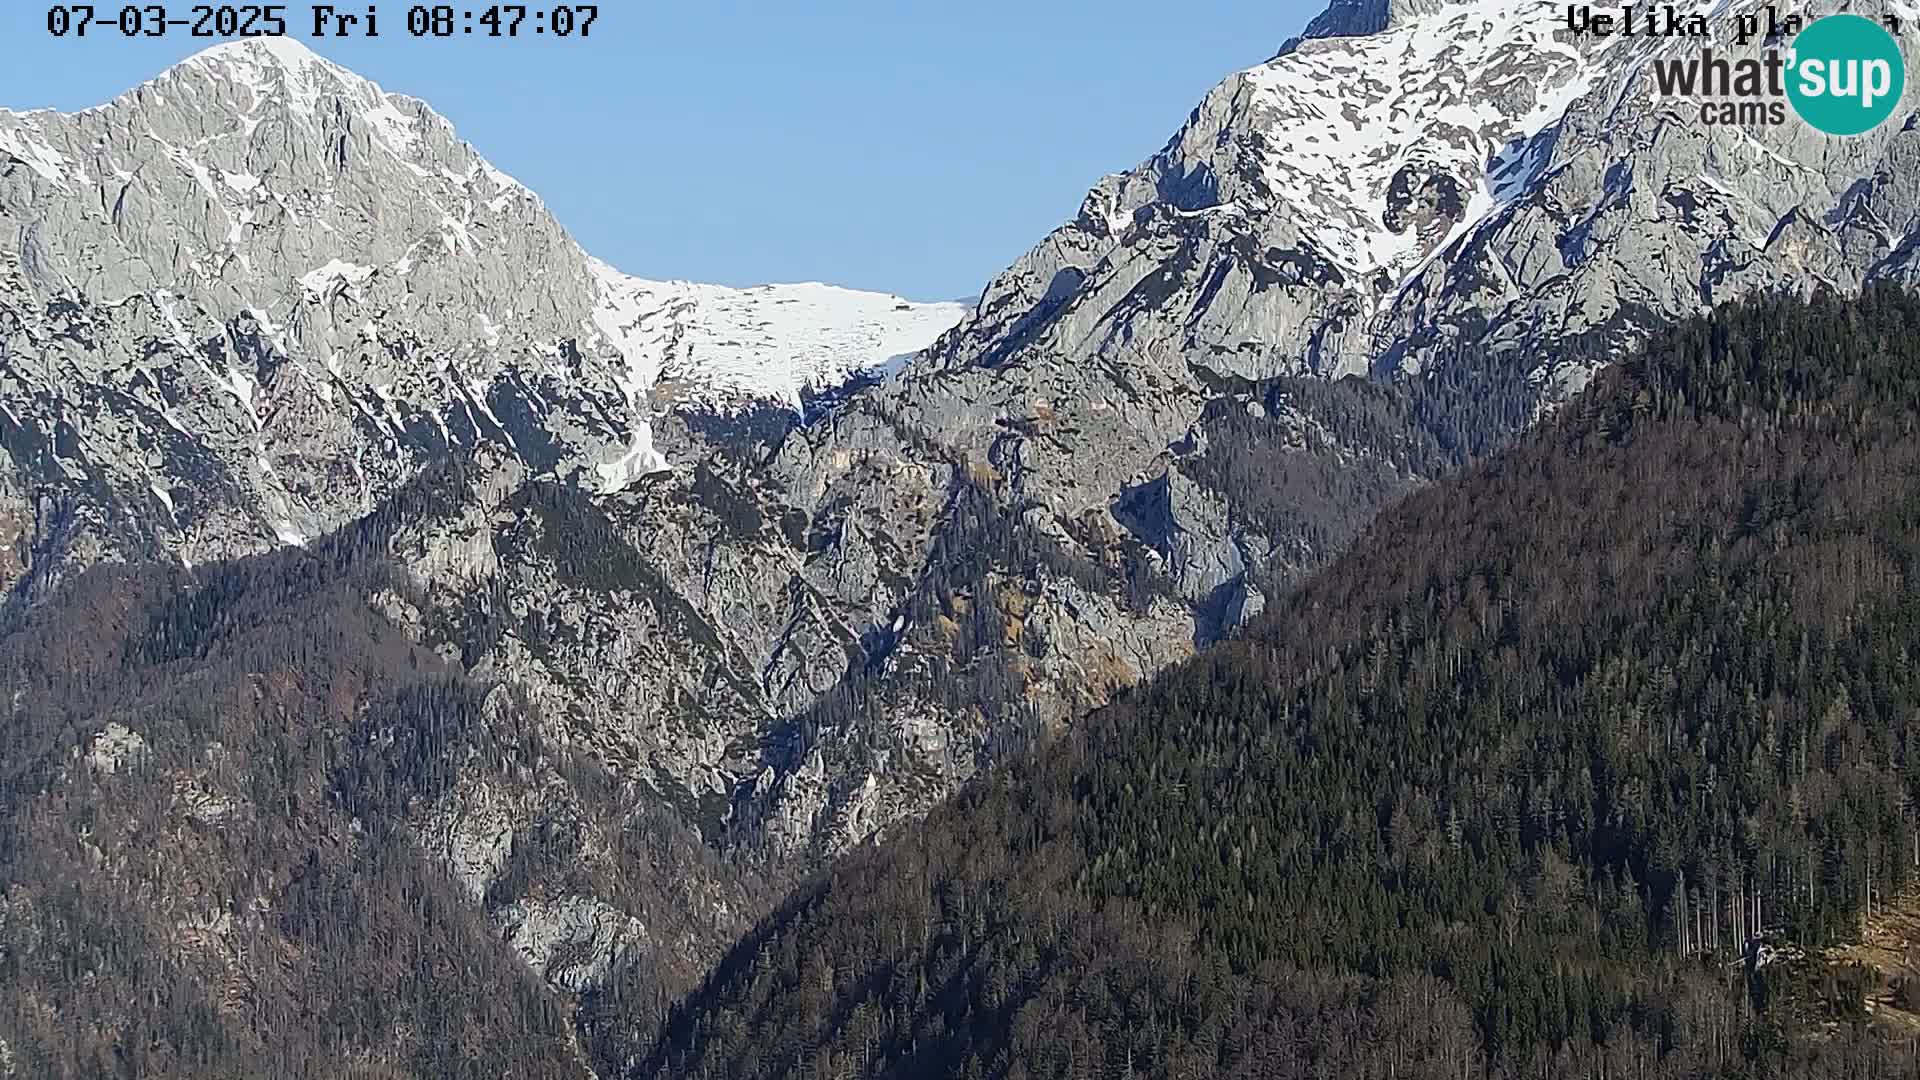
(780, 585)
(1401, 181)
(245, 301)
(1461, 202)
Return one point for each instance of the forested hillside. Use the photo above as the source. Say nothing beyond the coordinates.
(214, 801)
(1572, 766)
(1569, 767)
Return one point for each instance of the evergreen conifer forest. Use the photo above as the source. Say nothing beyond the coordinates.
(1593, 759)
(1575, 765)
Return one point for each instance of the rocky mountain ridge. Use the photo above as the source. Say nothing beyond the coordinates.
(784, 603)
(248, 298)
(1404, 183)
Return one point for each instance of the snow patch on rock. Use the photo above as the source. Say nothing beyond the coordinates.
(641, 460)
(772, 342)
(318, 281)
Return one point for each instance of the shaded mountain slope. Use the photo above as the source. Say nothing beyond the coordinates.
(759, 597)
(1522, 783)
(228, 810)
(243, 304)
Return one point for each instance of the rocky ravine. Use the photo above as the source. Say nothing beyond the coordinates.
(248, 302)
(1460, 204)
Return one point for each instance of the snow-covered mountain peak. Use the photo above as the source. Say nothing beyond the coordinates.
(317, 284)
(285, 53)
(1433, 113)
(282, 72)
(1412, 181)
(262, 70)
(284, 66)
(1303, 193)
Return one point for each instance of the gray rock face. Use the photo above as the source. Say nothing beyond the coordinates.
(776, 601)
(1343, 18)
(248, 302)
(1403, 186)
(242, 303)
(1402, 179)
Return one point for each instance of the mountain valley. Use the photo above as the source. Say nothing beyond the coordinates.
(376, 556)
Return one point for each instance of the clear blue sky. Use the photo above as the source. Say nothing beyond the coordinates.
(897, 145)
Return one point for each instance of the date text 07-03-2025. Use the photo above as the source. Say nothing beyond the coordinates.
(319, 20)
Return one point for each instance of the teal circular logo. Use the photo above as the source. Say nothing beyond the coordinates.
(1847, 74)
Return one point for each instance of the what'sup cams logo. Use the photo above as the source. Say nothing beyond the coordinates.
(1842, 74)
